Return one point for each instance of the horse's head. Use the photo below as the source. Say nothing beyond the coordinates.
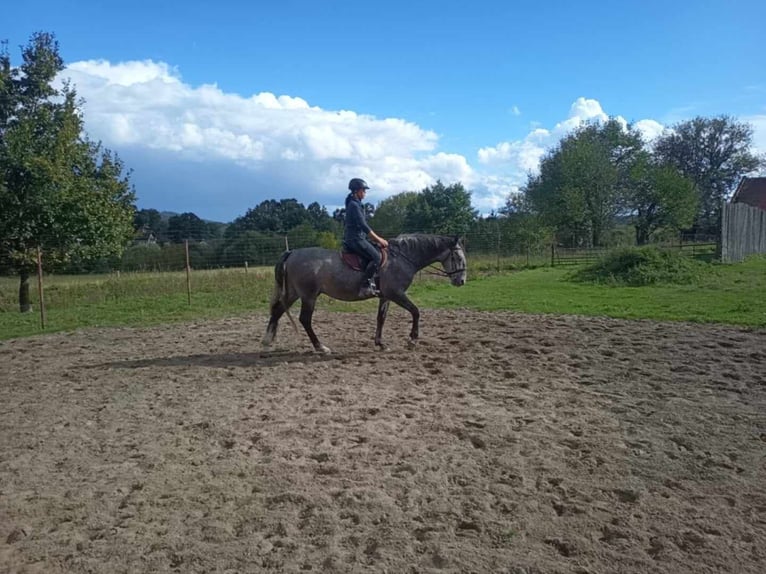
(455, 264)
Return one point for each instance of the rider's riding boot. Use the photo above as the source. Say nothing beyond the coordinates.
(369, 289)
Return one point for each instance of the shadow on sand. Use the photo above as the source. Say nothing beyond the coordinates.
(223, 360)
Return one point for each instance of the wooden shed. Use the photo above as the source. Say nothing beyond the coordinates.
(752, 191)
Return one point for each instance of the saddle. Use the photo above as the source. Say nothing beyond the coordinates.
(357, 263)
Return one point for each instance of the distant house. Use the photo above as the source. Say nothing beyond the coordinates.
(144, 236)
(752, 191)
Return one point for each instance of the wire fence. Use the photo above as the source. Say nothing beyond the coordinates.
(704, 250)
(150, 269)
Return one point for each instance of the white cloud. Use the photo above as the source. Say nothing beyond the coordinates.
(146, 104)
(650, 129)
(511, 161)
(226, 149)
(758, 122)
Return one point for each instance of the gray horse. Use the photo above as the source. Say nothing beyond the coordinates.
(306, 273)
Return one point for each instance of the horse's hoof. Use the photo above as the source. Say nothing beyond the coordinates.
(412, 343)
(323, 349)
(381, 347)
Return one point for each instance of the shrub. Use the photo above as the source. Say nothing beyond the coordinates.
(642, 266)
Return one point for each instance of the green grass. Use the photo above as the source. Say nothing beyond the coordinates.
(730, 294)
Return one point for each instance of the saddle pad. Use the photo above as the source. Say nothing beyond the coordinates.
(353, 261)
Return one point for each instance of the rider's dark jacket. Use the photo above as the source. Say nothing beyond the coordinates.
(356, 225)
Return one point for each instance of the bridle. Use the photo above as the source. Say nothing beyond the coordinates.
(453, 256)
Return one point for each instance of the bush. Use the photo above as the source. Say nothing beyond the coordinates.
(642, 266)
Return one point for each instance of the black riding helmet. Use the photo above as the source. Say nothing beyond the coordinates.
(357, 183)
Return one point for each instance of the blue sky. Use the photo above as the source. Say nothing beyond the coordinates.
(217, 106)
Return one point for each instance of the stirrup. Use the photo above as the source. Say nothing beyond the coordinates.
(370, 288)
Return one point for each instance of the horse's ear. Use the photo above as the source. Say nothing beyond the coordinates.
(457, 240)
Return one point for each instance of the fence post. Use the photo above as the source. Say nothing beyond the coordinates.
(553, 254)
(188, 272)
(498, 246)
(40, 287)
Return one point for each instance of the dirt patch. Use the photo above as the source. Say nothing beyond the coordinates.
(502, 443)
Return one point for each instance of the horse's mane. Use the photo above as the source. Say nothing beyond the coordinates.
(421, 243)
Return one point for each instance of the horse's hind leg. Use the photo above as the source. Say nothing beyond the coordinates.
(307, 311)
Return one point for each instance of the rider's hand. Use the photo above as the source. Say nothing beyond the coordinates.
(383, 243)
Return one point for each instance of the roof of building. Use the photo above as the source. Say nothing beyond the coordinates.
(752, 191)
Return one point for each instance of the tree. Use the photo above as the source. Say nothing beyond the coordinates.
(270, 216)
(441, 209)
(59, 191)
(714, 153)
(147, 221)
(580, 183)
(391, 214)
(659, 197)
(215, 229)
(186, 226)
(522, 227)
(318, 217)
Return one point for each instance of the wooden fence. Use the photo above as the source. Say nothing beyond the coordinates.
(743, 231)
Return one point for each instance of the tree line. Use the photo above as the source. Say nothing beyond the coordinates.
(605, 172)
(65, 195)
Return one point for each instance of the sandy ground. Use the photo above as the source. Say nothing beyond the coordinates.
(502, 443)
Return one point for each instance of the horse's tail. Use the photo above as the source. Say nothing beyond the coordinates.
(280, 286)
(280, 279)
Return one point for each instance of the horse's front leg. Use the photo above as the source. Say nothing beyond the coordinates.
(403, 301)
(382, 312)
(307, 311)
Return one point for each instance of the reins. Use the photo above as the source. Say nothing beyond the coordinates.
(436, 271)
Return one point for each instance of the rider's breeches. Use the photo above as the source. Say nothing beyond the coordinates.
(367, 250)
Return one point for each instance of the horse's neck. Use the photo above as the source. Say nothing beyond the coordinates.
(423, 257)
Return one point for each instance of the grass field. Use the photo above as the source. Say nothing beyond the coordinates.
(730, 294)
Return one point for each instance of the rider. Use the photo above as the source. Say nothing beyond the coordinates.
(356, 232)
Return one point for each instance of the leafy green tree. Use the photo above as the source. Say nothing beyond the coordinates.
(151, 220)
(581, 181)
(253, 247)
(714, 153)
(59, 191)
(522, 228)
(148, 218)
(441, 209)
(391, 214)
(142, 257)
(318, 217)
(271, 216)
(186, 226)
(659, 197)
(303, 235)
(215, 229)
(328, 240)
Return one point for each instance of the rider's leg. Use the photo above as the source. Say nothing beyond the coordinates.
(374, 257)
